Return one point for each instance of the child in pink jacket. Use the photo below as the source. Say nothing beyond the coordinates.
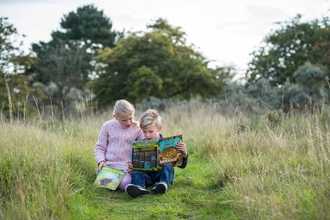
(113, 147)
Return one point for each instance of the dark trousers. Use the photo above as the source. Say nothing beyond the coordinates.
(149, 178)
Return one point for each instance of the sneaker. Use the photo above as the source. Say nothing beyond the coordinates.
(135, 191)
(160, 188)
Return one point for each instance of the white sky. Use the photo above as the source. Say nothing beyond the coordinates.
(223, 31)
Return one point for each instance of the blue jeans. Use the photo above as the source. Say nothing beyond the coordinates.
(149, 178)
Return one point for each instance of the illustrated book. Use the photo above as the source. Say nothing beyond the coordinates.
(145, 154)
(154, 154)
(109, 178)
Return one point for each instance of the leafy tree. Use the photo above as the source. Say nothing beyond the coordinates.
(65, 62)
(288, 48)
(66, 66)
(9, 51)
(90, 25)
(14, 89)
(153, 63)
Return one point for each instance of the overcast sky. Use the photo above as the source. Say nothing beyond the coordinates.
(223, 31)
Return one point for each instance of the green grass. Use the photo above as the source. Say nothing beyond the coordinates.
(239, 168)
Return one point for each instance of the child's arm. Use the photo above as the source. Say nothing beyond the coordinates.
(101, 147)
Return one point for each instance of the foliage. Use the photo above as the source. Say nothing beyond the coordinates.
(309, 91)
(223, 75)
(291, 70)
(14, 86)
(6, 30)
(90, 25)
(88, 28)
(288, 48)
(12, 58)
(16, 96)
(66, 65)
(253, 99)
(234, 100)
(265, 94)
(322, 46)
(155, 63)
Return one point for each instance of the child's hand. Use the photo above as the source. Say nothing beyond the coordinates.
(182, 147)
(101, 164)
(130, 167)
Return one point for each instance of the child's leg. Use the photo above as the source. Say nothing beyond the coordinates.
(127, 180)
(167, 174)
(141, 178)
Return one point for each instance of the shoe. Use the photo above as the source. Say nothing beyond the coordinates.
(160, 188)
(135, 191)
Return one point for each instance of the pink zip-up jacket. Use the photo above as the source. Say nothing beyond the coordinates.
(114, 144)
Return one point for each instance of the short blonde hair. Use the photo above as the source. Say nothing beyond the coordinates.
(150, 117)
(123, 107)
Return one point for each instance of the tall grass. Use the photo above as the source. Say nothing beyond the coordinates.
(40, 167)
(272, 171)
(239, 168)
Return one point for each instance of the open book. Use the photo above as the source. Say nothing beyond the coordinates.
(109, 178)
(154, 154)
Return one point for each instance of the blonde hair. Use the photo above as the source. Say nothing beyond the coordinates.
(123, 107)
(150, 117)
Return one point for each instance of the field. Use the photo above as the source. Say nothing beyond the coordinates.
(239, 168)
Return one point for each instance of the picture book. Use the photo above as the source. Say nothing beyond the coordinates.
(154, 154)
(168, 153)
(109, 178)
(145, 154)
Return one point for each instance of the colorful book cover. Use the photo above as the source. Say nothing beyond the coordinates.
(153, 154)
(109, 178)
(168, 153)
(144, 154)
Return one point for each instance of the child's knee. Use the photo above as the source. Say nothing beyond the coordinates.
(168, 167)
(127, 180)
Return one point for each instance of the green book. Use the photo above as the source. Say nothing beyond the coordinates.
(109, 178)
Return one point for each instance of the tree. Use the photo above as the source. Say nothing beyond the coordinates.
(87, 28)
(153, 63)
(9, 51)
(286, 49)
(90, 25)
(65, 62)
(66, 66)
(14, 86)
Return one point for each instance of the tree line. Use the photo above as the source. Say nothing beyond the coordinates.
(86, 61)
